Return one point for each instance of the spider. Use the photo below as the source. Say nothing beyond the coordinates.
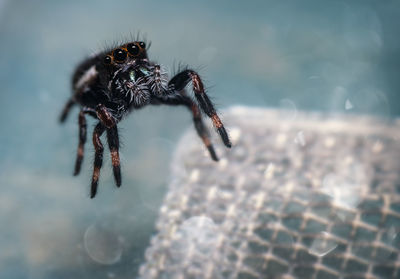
(110, 84)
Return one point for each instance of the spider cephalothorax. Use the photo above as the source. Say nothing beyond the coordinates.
(110, 84)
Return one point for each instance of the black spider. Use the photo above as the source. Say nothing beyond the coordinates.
(112, 83)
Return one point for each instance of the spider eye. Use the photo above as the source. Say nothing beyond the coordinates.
(107, 60)
(120, 55)
(132, 49)
(142, 45)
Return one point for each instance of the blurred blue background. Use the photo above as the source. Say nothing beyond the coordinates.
(331, 56)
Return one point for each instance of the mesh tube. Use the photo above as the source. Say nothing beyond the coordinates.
(309, 196)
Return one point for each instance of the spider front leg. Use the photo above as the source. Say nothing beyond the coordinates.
(157, 80)
(113, 141)
(98, 157)
(105, 116)
(113, 144)
(201, 129)
(179, 81)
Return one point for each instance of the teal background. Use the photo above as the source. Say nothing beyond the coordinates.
(330, 56)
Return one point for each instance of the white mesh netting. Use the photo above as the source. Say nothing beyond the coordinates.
(305, 197)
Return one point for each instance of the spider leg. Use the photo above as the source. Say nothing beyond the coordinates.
(66, 110)
(98, 157)
(82, 140)
(106, 122)
(201, 129)
(113, 144)
(179, 81)
(82, 137)
(105, 116)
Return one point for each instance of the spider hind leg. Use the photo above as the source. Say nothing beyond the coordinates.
(66, 110)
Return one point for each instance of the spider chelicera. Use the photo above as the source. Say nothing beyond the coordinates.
(112, 83)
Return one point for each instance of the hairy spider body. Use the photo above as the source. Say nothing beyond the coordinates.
(112, 83)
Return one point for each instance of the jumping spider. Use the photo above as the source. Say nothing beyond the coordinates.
(112, 83)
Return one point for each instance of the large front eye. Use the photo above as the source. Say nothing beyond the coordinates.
(119, 55)
(132, 49)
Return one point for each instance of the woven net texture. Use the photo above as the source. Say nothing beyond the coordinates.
(299, 195)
